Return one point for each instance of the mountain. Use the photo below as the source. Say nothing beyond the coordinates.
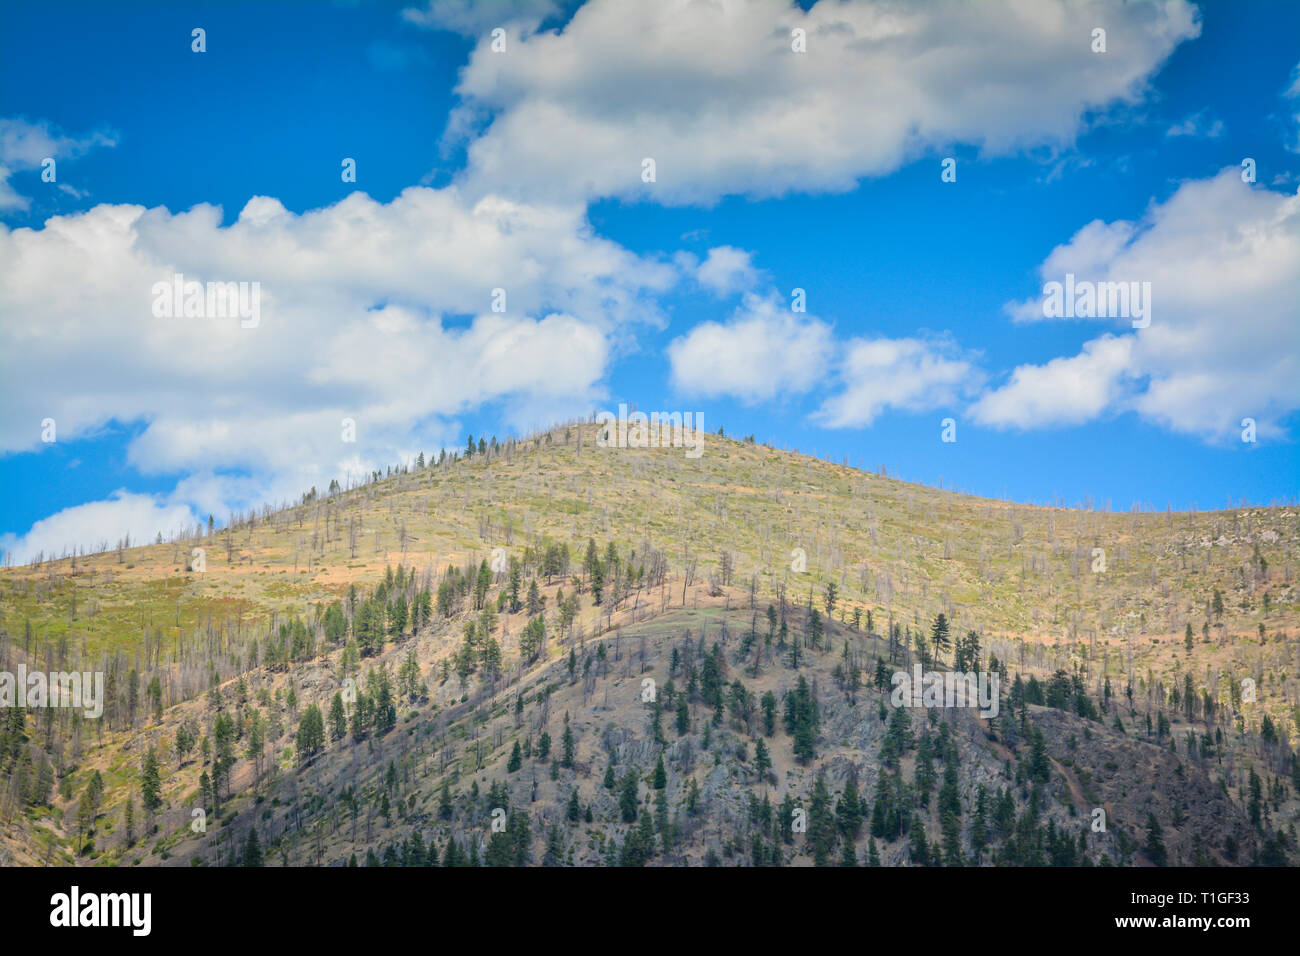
(449, 653)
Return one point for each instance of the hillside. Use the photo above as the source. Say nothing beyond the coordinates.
(214, 657)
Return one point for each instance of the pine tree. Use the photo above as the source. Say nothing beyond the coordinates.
(1040, 767)
(939, 635)
(252, 849)
(952, 853)
(516, 576)
(629, 799)
(815, 629)
(311, 733)
(150, 784)
(453, 855)
(848, 811)
(1155, 845)
(567, 760)
(554, 855)
(85, 818)
(768, 704)
(979, 832)
(416, 854)
(338, 718)
(762, 759)
(919, 846)
(821, 823)
(802, 720)
(683, 716)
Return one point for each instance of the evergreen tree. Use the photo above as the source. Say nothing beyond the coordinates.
(815, 629)
(512, 589)
(768, 704)
(919, 846)
(939, 636)
(848, 811)
(802, 720)
(568, 744)
(1155, 845)
(683, 716)
(338, 718)
(898, 737)
(252, 849)
(821, 823)
(1040, 767)
(150, 783)
(629, 799)
(311, 733)
(762, 759)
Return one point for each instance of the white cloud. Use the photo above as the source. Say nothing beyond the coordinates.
(714, 94)
(765, 351)
(376, 312)
(1223, 260)
(911, 374)
(96, 523)
(762, 351)
(1198, 124)
(1065, 391)
(1087, 256)
(25, 146)
(726, 270)
(475, 17)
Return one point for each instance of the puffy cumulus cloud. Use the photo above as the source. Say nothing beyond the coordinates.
(381, 313)
(474, 17)
(725, 270)
(431, 248)
(762, 351)
(1087, 256)
(97, 524)
(1065, 391)
(714, 93)
(911, 374)
(1223, 343)
(25, 145)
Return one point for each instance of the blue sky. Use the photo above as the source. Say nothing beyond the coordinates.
(521, 169)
